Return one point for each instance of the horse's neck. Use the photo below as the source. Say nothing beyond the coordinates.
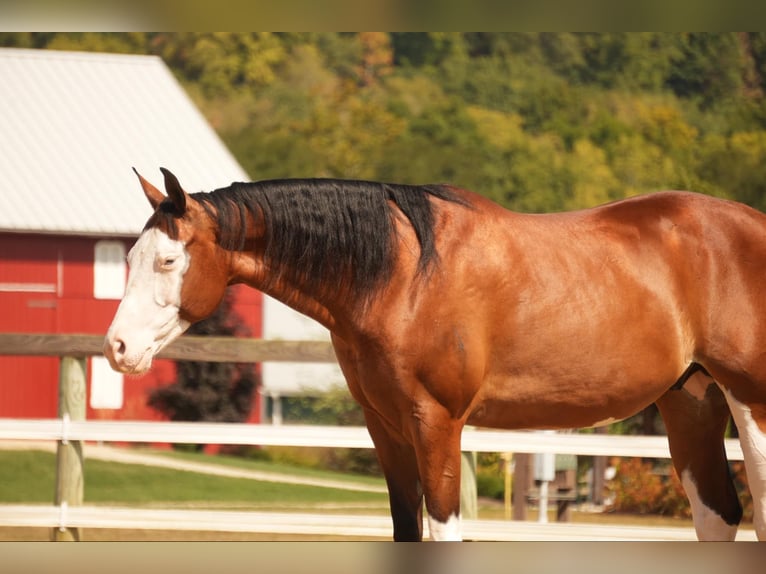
(305, 303)
(249, 268)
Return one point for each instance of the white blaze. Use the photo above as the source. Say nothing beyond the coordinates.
(148, 316)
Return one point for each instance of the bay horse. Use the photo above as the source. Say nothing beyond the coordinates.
(446, 309)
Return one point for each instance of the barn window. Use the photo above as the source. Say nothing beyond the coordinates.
(109, 270)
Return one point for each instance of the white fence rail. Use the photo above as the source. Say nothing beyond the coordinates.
(303, 524)
(475, 440)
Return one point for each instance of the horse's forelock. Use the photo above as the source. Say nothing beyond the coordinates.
(165, 219)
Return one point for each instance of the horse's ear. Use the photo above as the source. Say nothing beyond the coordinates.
(174, 190)
(154, 195)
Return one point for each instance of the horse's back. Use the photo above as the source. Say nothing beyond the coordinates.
(667, 223)
(677, 207)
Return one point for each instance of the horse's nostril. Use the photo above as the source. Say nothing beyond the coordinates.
(119, 347)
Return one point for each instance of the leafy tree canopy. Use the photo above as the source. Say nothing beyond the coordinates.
(536, 121)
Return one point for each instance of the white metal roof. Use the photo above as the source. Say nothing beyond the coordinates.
(72, 125)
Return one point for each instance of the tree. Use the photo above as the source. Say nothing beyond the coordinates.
(204, 391)
(737, 165)
(537, 121)
(377, 57)
(220, 62)
(710, 68)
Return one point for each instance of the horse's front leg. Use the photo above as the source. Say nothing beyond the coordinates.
(399, 465)
(437, 447)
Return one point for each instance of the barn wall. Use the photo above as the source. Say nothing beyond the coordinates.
(46, 285)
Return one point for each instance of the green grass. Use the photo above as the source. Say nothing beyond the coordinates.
(29, 477)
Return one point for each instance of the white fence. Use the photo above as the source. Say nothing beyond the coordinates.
(332, 436)
(303, 524)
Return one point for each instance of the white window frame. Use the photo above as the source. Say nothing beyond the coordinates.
(109, 269)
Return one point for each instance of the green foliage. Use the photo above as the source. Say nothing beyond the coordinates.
(490, 475)
(220, 62)
(639, 487)
(490, 484)
(536, 121)
(644, 486)
(333, 407)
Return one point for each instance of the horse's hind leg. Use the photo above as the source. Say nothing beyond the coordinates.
(397, 459)
(696, 417)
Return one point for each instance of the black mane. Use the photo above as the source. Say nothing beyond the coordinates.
(320, 231)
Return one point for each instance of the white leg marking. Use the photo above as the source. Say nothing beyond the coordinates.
(753, 442)
(707, 522)
(445, 531)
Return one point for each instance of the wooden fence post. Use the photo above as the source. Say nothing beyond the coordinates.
(599, 468)
(69, 455)
(522, 476)
(469, 507)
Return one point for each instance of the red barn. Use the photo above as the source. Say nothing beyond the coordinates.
(73, 126)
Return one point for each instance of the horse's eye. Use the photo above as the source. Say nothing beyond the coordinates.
(168, 261)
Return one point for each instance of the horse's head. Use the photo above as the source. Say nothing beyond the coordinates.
(175, 279)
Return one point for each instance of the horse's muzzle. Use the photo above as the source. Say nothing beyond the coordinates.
(116, 352)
